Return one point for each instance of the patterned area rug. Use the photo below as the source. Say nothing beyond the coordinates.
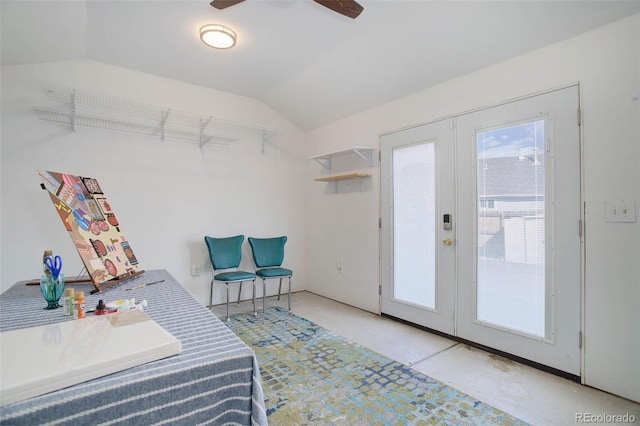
(312, 376)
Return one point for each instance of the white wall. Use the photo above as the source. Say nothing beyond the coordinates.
(167, 196)
(606, 62)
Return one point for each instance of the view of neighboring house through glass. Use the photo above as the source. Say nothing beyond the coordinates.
(511, 283)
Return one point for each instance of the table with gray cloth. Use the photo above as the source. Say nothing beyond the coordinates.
(214, 380)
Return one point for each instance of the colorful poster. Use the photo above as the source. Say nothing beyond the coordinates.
(92, 226)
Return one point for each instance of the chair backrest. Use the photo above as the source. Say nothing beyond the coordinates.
(225, 253)
(267, 251)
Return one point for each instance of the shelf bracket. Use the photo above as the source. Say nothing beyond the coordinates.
(266, 137)
(72, 103)
(326, 163)
(368, 158)
(163, 121)
(203, 139)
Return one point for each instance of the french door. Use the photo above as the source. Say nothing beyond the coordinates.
(418, 253)
(480, 221)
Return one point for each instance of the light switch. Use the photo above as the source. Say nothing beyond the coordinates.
(620, 211)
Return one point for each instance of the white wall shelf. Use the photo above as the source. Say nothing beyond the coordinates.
(325, 159)
(333, 178)
(80, 108)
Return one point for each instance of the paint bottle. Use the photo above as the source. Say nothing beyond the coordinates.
(67, 301)
(78, 305)
(101, 309)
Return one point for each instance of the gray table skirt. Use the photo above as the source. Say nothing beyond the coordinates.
(215, 380)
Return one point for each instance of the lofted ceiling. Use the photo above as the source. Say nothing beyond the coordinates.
(310, 64)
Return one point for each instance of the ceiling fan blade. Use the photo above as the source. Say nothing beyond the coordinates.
(348, 8)
(223, 4)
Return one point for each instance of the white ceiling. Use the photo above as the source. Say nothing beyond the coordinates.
(312, 65)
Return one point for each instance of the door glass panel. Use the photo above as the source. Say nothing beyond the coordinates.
(511, 283)
(414, 187)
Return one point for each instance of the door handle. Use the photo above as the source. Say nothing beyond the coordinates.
(447, 242)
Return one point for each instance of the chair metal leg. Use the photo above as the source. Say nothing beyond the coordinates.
(289, 298)
(227, 285)
(280, 288)
(255, 313)
(211, 295)
(239, 291)
(264, 293)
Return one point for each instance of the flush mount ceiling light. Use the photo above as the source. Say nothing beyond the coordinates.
(218, 36)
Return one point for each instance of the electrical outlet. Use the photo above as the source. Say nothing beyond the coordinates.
(195, 270)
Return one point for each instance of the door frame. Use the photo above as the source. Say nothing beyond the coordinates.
(582, 254)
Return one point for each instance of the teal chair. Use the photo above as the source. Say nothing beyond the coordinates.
(225, 254)
(268, 254)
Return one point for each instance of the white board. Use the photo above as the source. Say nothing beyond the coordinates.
(38, 360)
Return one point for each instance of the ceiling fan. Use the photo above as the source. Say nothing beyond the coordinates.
(348, 8)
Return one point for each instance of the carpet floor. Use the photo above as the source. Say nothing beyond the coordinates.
(312, 376)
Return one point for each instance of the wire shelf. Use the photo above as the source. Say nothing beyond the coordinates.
(141, 118)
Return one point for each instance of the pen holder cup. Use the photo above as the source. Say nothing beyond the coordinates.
(52, 290)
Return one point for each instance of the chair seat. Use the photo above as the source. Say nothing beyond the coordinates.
(234, 276)
(274, 272)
